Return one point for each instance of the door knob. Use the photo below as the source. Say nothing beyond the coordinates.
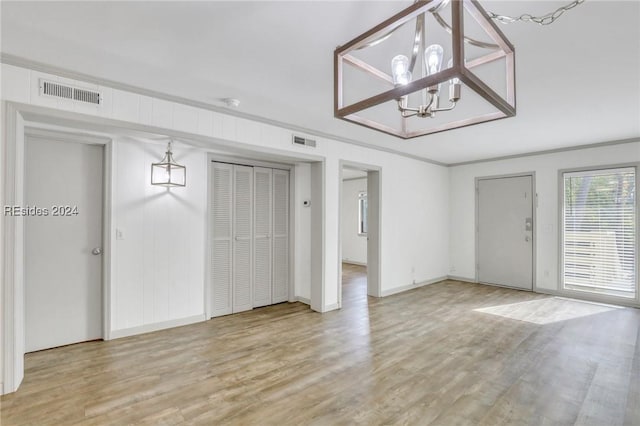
(528, 224)
(96, 251)
(527, 238)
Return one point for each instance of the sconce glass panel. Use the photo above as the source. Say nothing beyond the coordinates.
(168, 174)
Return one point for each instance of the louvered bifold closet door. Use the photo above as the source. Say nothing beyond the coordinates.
(243, 238)
(262, 210)
(280, 288)
(222, 238)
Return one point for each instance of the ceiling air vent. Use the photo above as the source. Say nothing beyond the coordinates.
(57, 90)
(299, 140)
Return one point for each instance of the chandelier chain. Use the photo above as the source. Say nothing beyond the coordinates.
(547, 19)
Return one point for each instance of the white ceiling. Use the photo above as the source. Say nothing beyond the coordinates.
(577, 80)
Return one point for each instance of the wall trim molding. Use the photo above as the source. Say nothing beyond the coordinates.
(64, 136)
(213, 157)
(148, 328)
(548, 151)
(303, 300)
(461, 279)
(22, 62)
(404, 288)
(10, 268)
(331, 307)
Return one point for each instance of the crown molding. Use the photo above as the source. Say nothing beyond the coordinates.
(19, 61)
(22, 62)
(548, 151)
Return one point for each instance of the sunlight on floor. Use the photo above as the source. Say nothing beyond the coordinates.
(547, 311)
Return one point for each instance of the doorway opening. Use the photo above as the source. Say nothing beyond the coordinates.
(359, 235)
(250, 235)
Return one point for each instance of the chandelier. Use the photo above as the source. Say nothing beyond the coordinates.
(167, 172)
(435, 66)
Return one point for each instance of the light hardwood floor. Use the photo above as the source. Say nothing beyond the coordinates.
(420, 357)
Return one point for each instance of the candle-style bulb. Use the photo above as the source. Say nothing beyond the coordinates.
(433, 58)
(400, 70)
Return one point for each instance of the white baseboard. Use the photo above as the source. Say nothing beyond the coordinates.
(411, 286)
(332, 307)
(303, 300)
(148, 328)
(463, 279)
(354, 262)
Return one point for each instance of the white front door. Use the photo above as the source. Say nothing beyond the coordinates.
(63, 269)
(505, 231)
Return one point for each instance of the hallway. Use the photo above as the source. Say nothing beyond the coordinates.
(354, 286)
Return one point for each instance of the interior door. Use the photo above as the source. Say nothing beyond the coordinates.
(63, 260)
(505, 231)
(243, 238)
(262, 236)
(222, 238)
(280, 236)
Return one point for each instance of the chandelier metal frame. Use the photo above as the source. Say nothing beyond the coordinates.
(500, 48)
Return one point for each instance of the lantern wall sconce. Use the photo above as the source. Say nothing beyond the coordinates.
(406, 102)
(167, 172)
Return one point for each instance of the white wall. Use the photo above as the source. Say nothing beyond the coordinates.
(414, 217)
(354, 246)
(302, 232)
(158, 267)
(414, 197)
(546, 167)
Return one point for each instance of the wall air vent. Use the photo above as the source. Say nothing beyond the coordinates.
(299, 140)
(64, 91)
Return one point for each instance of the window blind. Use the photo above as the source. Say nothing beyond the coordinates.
(599, 231)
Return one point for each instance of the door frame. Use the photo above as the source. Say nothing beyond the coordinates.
(534, 234)
(243, 161)
(34, 132)
(374, 268)
(17, 129)
(585, 295)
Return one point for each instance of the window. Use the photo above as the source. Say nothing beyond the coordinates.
(362, 213)
(599, 231)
